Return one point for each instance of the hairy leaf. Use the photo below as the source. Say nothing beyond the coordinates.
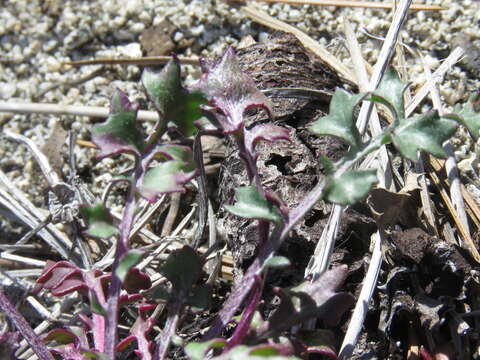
(339, 122)
(350, 187)
(252, 205)
(174, 103)
(266, 132)
(99, 220)
(119, 133)
(423, 132)
(469, 117)
(229, 90)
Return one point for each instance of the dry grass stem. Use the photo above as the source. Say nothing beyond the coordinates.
(349, 3)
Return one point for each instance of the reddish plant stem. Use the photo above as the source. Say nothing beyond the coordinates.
(244, 325)
(122, 248)
(24, 328)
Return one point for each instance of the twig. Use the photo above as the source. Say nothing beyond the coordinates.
(55, 109)
(361, 307)
(255, 13)
(143, 61)
(349, 3)
(172, 214)
(22, 325)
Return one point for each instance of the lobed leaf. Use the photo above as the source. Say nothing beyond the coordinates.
(99, 220)
(119, 133)
(423, 132)
(229, 90)
(390, 92)
(350, 187)
(198, 350)
(251, 204)
(340, 122)
(174, 103)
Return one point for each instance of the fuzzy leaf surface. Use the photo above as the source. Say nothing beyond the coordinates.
(469, 117)
(425, 132)
(119, 133)
(266, 132)
(229, 90)
(251, 204)
(174, 102)
(339, 122)
(100, 222)
(350, 187)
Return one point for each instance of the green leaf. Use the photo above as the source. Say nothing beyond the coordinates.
(423, 132)
(99, 220)
(339, 122)
(169, 176)
(182, 268)
(174, 102)
(119, 133)
(128, 261)
(391, 89)
(350, 187)
(95, 305)
(200, 297)
(469, 117)
(277, 262)
(198, 350)
(252, 205)
(61, 336)
(161, 294)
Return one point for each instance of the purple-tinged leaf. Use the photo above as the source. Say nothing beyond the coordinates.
(126, 299)
(319, 341)
(61, 278)
(251, 204)
(230, 90)
(171, 100)
(119, 133)
(182, 268)
(177, 169)
(312, 300)
(266, 132)
(127, 262)
(95, 305)
(136, 280)
(99, 220)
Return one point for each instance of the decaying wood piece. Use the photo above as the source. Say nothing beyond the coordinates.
(290, 169)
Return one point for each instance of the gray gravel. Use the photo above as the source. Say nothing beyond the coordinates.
(36, 36)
